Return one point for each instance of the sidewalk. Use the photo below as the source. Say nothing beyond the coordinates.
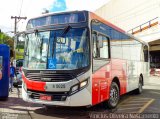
(15, 107)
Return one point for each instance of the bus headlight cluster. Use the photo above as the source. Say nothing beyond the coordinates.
(83, 84)
(78, 87)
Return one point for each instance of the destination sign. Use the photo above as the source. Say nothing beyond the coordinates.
(54, 19)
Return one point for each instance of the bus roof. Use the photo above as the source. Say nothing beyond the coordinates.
(93, 16)
(56, 13)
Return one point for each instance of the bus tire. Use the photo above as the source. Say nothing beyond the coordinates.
(114, 96)
(140, 84)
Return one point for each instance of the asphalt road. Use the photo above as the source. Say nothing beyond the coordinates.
(16, 108)
(147, 102)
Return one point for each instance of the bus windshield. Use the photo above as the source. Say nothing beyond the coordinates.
(65, 49)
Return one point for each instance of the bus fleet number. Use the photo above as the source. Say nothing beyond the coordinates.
(59, 86)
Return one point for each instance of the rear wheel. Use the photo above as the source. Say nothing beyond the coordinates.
(140, 84)
(113, 97)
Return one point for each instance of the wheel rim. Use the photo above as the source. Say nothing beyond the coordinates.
(114, 96)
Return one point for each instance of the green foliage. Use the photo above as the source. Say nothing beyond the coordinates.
(19, 53)
(5, 39)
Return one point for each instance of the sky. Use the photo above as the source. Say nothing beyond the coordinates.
(33, 8)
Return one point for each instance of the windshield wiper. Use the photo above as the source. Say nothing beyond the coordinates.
(41, 46)
(65, 30)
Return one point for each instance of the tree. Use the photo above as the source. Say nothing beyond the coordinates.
(5, 39)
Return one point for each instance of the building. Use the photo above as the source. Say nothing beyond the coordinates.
(138, 17)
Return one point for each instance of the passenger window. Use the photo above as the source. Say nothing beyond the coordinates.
(103, 46)
(100, 46)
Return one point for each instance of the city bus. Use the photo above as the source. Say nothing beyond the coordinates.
(77, 58)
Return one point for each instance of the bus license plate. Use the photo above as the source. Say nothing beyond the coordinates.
(46, 97)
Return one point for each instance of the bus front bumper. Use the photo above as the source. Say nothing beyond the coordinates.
(81, 98)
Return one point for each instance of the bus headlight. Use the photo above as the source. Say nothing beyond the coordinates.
(83, 84)
(78, 86)
(74, 88)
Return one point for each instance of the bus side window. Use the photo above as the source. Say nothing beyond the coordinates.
(103, 46)
(100, 46)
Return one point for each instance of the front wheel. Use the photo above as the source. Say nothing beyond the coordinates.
(113, 97)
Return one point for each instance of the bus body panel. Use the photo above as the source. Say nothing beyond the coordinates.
(100, 85)
(33, 85)
(119, 71)
(77, 99)
(102, 79)
(74, 100)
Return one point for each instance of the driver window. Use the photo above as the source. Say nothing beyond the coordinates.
(100, 46)
(103, 47)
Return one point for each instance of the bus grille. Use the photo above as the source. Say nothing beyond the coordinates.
(49, 77)
(56, 96)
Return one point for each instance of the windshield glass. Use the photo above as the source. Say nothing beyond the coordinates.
(69, 49)
(36, 50)
(64, 49)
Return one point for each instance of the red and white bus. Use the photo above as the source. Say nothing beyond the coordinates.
(79, 59)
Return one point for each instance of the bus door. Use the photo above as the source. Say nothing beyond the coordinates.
(100, 67)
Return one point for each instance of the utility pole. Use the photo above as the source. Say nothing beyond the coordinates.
(15, 22)
(15, 29)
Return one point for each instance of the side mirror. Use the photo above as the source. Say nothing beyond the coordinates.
(19, 40)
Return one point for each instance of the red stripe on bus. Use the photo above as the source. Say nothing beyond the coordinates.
(102, 79)
(100, 85)
(34, 85)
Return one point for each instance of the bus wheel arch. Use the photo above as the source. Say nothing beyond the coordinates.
(116, 80)
(114, 94)
(140, 85)
(141, 75)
